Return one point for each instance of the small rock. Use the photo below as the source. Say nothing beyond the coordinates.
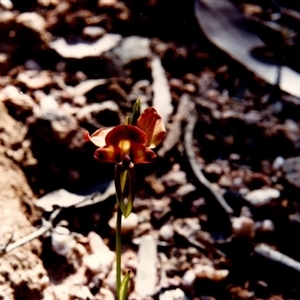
(208, 272)
(81, 49)
(291, 167)
(80, 101)
(262, 197)
(35, 79)
(62, 241)
(7, 4)
(265, 226)
(234, 157)
(252, 117)
(189, 278)
(133, 48)
(256, 179)
(185, 189)
(80, 292)
(93, 32)
(16, 101)
(47, 3)
(243, 227)
(110, 280)
(214, 96)
(246, 212)
(155, 184)
(131, 263)
(214, 168)
(176, 294)
(166, 232)
(80, 250)
(106, 294)
(128, 224)
(32, 65)
(48, 102)
(107, 3)
(57, 126)
(107, 114)
(96, 243)
(175, 177)
(99, 262)
(278, 162)
(7, 18)
(32, 20)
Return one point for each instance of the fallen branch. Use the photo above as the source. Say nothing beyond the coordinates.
(276, 256)
(47, 226)
(188, 144)
(174, 131)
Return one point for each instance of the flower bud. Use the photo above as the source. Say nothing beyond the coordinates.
(136, 112)
(124, 183)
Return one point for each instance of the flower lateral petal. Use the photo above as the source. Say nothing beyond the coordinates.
(109, 154)
(98, 137)
(152, 124)
(141, 154)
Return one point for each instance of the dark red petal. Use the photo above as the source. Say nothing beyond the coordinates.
(152, 124)
(86, 136)
(126, 132)
(141, 154)
(108, 154)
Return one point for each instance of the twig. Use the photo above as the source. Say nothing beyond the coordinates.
(188, 144)
(276, 256)
(174, 131)
(47, 225)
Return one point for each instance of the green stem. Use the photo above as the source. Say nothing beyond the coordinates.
(118, 250)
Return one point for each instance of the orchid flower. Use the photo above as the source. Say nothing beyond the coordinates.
(133, 141)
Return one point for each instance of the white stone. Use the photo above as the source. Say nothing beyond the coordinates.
(265, 226)
(32, 20)
(176, 294)
(128, 224)
(106, 294)
(83, 49)
(166, 232)
(99, 262)
(62, 241)
(48, 102)
(188, 278)
(243, 226)
(7, 4)
(96, 243)
(209, 272)
(110, 280)
(278, 162)
(262, 196)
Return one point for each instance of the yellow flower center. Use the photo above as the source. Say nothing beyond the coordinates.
(124, 145)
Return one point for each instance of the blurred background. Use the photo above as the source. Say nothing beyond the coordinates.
(218, 210)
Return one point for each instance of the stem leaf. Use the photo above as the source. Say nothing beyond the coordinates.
(124, 286)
